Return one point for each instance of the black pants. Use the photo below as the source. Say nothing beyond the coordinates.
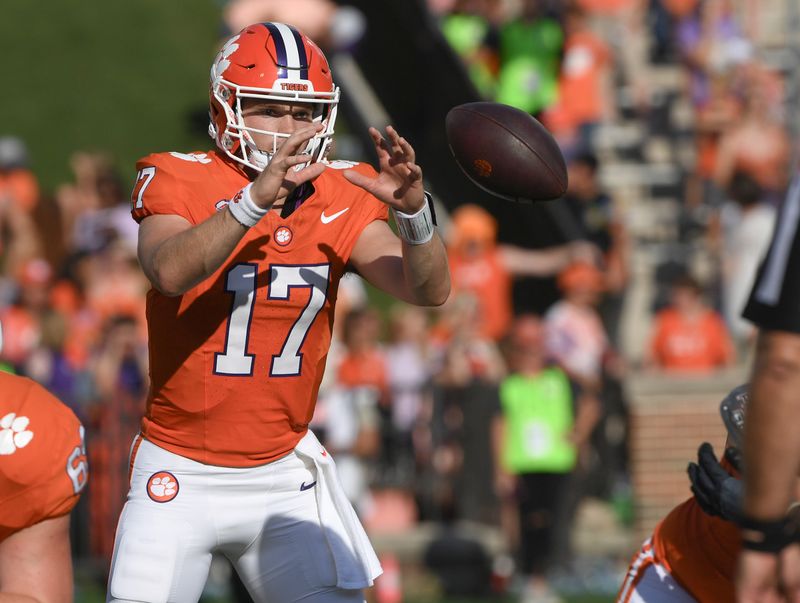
(539, 498)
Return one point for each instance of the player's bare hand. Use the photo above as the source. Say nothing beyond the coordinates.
(399, 182)
(280, 178)
(757, 580)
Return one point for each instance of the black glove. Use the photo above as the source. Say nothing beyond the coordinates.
(717, 492)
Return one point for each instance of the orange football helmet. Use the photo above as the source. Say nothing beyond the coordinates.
(269, 61)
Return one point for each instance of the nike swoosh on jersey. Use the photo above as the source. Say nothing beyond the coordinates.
(304, 486)
(328, 219)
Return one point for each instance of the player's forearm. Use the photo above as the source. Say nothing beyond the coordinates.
(188, 258)
(772, 449)
(426, 272)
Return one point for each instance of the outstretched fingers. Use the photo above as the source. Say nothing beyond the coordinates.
(382, 148)
(414, 171)
(393, 149)
(400, 146)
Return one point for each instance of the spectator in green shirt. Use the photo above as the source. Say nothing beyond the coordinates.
(530, 55)
(537, 438)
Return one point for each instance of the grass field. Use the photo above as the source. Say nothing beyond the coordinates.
(128, 86)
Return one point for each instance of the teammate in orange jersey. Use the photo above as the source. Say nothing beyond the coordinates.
(245, 246)
(691, 556)
(43, 470)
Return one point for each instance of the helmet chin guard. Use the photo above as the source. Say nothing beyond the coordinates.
(269, 62)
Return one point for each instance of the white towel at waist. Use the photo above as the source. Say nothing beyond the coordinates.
(357, 564)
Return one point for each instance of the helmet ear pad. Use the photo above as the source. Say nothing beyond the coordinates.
(270, 62)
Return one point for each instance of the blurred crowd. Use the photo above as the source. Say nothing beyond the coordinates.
(478, 411)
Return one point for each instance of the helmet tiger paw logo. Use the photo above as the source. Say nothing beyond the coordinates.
(14, 433)
(221, 62)
(162, 487)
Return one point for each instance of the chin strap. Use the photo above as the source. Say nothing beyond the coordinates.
(259, 159)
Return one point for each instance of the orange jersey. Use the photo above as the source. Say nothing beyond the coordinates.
(683, 345)
(585, 57)
(367, 369)
(700, 551)
(488, 279)
(42, 457)
(236, 362)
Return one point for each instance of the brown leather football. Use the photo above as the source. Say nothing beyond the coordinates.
(506, 152)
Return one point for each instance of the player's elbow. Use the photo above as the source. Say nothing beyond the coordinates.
(170, 289)
(437, 295)
(166, 281)
(443, 296)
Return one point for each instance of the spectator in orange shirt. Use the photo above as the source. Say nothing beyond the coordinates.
(363, 364)
(484, 268)
(585, 96)
(358, 404)
(688, 335)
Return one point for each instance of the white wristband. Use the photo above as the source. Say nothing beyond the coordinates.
(244, 209)
(415, 229)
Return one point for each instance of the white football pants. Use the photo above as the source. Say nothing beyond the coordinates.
(647, 581)
(264, 519)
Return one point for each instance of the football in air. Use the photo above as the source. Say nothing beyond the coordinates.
(506, 152)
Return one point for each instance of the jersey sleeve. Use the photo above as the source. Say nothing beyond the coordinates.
(43, 468)
(160, 188)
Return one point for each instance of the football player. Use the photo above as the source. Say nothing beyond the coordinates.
(245, 246)
(691, 556)
(43, 470)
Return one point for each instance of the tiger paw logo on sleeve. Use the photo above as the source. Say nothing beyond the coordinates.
(162, 487)
(14, 433)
